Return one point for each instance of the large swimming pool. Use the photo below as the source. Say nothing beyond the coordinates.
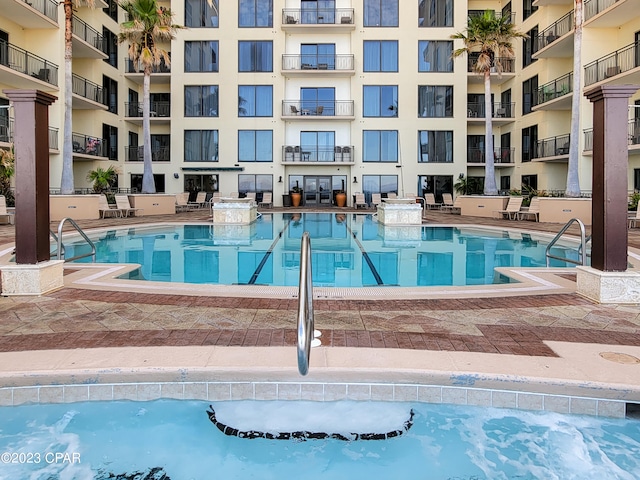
(348, 251)
(175, 440)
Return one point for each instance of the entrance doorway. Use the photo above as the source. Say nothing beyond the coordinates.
(317, 190)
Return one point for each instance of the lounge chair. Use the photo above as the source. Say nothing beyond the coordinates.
(512, 210)
(455, 208)
(633, 218)
(215, 198)
(182, 202)
(251, 195)
(360, 201)
(390, 194)
(200, 201)
(123, 204)
(105, 208)
(5, 217)
(376, 199)
(430, 201)
(534, 210)
(447, 201)
(267, 200)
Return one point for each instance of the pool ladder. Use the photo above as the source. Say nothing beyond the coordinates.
(307, 336)
(60, 251)
(582, 249)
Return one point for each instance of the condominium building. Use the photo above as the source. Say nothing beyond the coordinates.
(327, 95)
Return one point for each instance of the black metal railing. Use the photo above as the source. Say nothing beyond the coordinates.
(86, 145)
(25, 62)
(135, 153)
(633, 133)
(594, 7)
(89, 34)
(317, 153)
(87, 89)
(500, 155)
(508, 64)
(48, 8)
(317, 62)
(325, 108)
(6, 129)
(613, 64)
(555, 88)
(132, 67)
(156, 109)
(498, 110)
(554, 31)
(317, 16)
(552, 147)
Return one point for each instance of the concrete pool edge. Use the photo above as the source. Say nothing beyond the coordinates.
(579, 380)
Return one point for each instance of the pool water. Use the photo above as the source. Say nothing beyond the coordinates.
(116, 440)
(347, 251)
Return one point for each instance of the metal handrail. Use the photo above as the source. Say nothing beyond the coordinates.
(581, 250)
(61, 248)
(305, 306)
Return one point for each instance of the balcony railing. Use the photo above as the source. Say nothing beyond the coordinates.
(48, 8)
(131, 67)
(320, 16)
(552, 147)
(87, 89)
(7, 125)
(594, 7)
(508, 64)
(135, 153)
(86, 145)
(25, 62)
(633, 135)
(316, 153)
(317, 62)
(324, 108)
(157, 109)
(556, 30)
(555, 88)
(613, 64)
(500, 155)
(498, 110)
(53, 138)
(89, 34)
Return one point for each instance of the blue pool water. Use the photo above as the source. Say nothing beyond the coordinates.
(348, 251)
(115, 440)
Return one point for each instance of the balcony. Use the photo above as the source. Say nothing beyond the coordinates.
(314, 154)
(7, 125)
(135, 72)
(508, 66)
(318, 65)
(160, 112)
(53, 139)
(320, 110)
(556, 41)
(554, 95)
(22, 69)
(501, 113)
(329, 20)
(619, 67)
(87, 42)
(87, 95)
(553, 149)
(31, 14)
(540, 3)
(135, 153)
(609, 13)
(502, 157)
(633, 133)
(88, 148)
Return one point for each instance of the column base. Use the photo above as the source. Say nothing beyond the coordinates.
(608, 287)
(38, 279)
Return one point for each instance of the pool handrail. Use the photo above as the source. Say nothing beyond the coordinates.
(582, 249)
(305, 306)
(60, 253)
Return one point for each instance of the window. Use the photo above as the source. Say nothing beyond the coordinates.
(255, 146)
(318, 11)
(110, 93)
(200, 183)
(505, 149)
(318, 101)
(111, 47)
(201, 145)
(255, 101)
(317, 146)
(435, 146)
(255, 13)
(528, 9)
(380, 55)
(380, 13)
(112, 9)
(255, 56)
(435, 56)
(380, 101)
(505, 183)
(529, 47)
(201, 56)
(529, 94)
(255, 183)
(136, 182)
(201, 101)
(383, 184)
(435, 13)
(160, 147)
(530, 181)
(506, 10)
(435, 101)
(321, 56)
(476, 148)
(110, 135)
(529, 142)
(380, 146)
(199, 14)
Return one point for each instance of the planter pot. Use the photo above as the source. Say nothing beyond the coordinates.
(341, 199)
(295, 199)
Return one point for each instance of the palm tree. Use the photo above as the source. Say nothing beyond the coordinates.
(491, 38)
(573, 179)
(66, 182)
(102, 178)
(147, 26)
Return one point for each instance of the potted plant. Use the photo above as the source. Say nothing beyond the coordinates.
(341, 197)
(296, 196)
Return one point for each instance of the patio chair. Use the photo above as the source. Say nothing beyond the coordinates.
(200, 201)
(251, 195)
(123, 204)
(455, 208)
(534, 210)
(267, 200)
(633, 218)
(105, 208)
(430, 201)
(5, 216)
(511, 212)
(376, 199)
(215, 198)
(391, 194)
(182, 202)
(360, 201)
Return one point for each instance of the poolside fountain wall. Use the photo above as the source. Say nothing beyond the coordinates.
(400, 211)
(235, 211)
